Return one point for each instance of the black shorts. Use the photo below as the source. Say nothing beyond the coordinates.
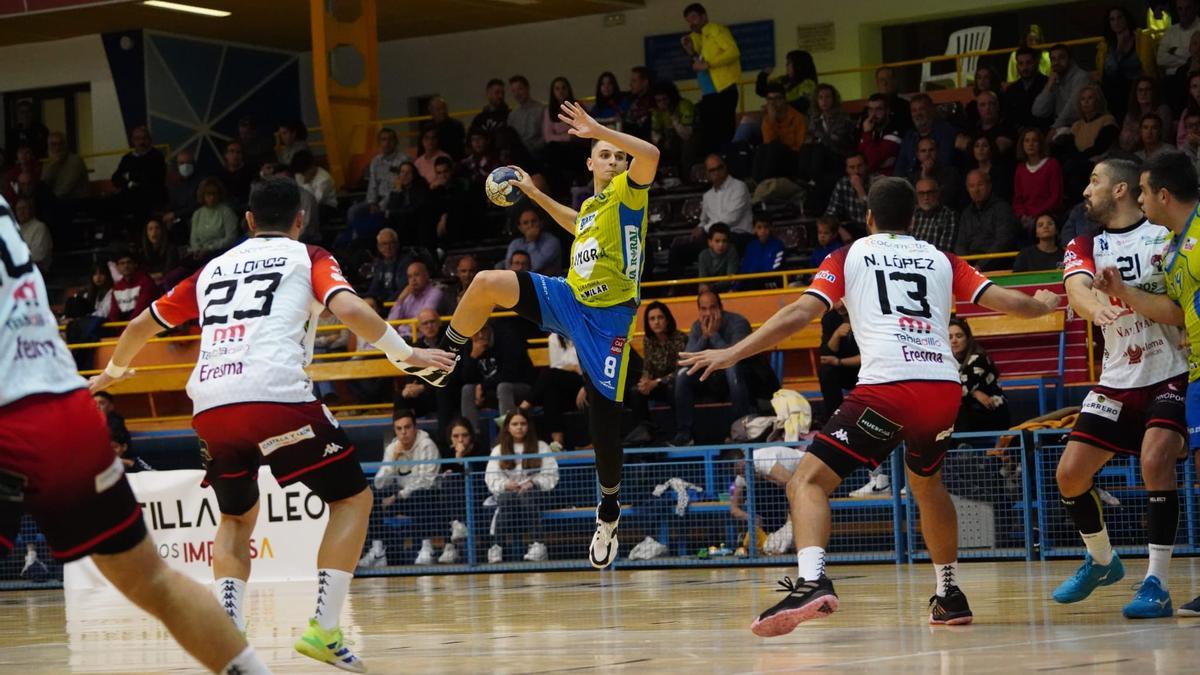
(875, 418)
(1116, 419)
(301, 442)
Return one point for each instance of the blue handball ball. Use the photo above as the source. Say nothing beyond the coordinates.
(497, 188)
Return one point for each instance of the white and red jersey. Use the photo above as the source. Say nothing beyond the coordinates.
(1137, 351)
(258, 306)
(33, 358)
(899, 292)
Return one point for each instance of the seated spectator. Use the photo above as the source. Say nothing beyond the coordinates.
(763, 253)
(1151, 138)
(772, 469)
(418, 294)
(64, 171)
(415, 393)
(133, 292)
(257, 148)
(986, 225)
(660, 351)
(1033, 36)
(480, 160)
(519, 486)
(293, 137)
(1143, 99)
(1058, 98)
(608, 108)
(879, 140)
(465, 270)
(1092, 135)
(183, 195)
(1078, 225)
(719, 259)
(544, 249)
(27, 130)
(98, 294)
(929, 165)
(121, 442)
(1121, 66)
(107, 408)
(34, 233)
(1024, 89)
(984, 407)
(1175, 88)
(783, 133)
(497, 373)
(389, 271)
(330, 341)
(237, 176)
(408, 209)
(526, 116)
(494, 113)
(26, 162)
(829, 126)
(158, 254)
(140, 177)
(1046, 254)
(454, 206)
(565, 154)
(639, 103)
(556, 387)
(990, 125)
(828, 240)
(713, 329)
(316, 180)
(1038, 182)
(799, 80)
(727, 201)
(380, 173)
(672, 125)
(1191, 145)
(214, 225)
(1173, 46)
(985, 80)
(520, 261)
(428, 153)
(926, 124)
(450, 132)
(464, 445)
(849, 201)
(899, 106)
(840, 359)
(933, 221)
(985, 157)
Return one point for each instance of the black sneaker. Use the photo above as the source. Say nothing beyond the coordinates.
(1190, 609)
(951, 610)
(805, 600)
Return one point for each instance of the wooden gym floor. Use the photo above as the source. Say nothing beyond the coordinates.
(678, 620)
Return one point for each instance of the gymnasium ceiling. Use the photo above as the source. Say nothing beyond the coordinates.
(282, 24)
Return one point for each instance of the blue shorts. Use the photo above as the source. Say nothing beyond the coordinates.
(601, 334)
(1192, 407)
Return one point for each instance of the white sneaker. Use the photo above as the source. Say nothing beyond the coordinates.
(376, 556)
(537, 552)
(603, 550)
(30, 560)
(449, 554)
(425, 555)
(1104, 495)
(458, 531)
(646, 549)
(495, 554)
(872, 488)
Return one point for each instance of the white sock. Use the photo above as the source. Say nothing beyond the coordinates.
(947, 576)
(231, 595)
(810, 562)
(1160, 561)
(332, 587)
(246, 663)
(1098, 546)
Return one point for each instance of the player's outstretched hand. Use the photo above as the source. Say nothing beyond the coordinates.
(706, 362)
(1107, 315)
(581, 123)
(97, 383)
(523, 182)
(431, 358)
(1047, 297)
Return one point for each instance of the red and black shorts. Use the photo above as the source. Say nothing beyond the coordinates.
(301, 442)
(875, 418)
(56, 463)
(1116, 419)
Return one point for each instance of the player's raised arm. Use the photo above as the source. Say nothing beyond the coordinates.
(360, 318)
(786, 321)
(645, 155)
(1157, 307)
(1016, 303)
(562, 214)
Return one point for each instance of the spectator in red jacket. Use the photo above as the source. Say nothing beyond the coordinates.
(1038, 183)
(879, 141)
(134, 292)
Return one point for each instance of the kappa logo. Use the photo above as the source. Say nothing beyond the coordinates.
(332, 449)
(841, 435)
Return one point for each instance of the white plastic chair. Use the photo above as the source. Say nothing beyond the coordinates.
(974, 39)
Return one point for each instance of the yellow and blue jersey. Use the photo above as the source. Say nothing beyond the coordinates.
(609, 250)
(1181, 272)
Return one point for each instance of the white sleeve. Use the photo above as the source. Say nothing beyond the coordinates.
(383, 476)
(423, 475)
(547, 477)
(494, 477)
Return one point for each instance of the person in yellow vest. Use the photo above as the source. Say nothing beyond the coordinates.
(1032, 37)
(717, 63)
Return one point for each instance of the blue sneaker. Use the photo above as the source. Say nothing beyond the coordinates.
(1088, 578)
(1151, 602)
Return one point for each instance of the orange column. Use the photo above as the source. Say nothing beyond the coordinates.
(345, 77)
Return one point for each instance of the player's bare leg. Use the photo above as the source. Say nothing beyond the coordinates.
(344, 536)
(190, 614)
(1078, 465)
(811, 596)
(489, 290)
(939, 528)
(231, 563)
(1161, 449)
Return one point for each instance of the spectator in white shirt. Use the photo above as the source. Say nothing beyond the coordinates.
(518, 486)
(35, 233)
(1058, 97)
(727, 201)
(379, 175)
(1173, 47)
(314, 178)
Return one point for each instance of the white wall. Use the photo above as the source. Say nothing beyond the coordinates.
(72, 61)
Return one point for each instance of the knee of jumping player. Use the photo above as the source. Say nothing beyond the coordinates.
(812, 476)
(1070, 482)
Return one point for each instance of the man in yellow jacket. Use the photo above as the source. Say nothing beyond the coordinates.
(717, 63)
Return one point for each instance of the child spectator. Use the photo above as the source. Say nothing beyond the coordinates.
(134, 292)
(1046, 253)
(720, 258)
(764, 253)
(828, 240)
(518, 486)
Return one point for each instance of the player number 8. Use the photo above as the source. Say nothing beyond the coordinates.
(610, 366)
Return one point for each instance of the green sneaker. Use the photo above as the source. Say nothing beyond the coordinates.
(328, 647)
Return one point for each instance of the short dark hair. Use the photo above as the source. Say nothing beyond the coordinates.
(764, 219)
(493, 82)
(274, 203)
(401, 413)
(641, 70)
(520, 251)
(710, 291)
(892, 202)
(104, 395)
(775, 88)
(1060, 47)
(694, 8)
(921, 97)
(302, 161)
(1173, 172)
(296, 127)
(519, 78)
(442, 161)
(878, 97)
(1128, 172)
(1029, 51)
(718, 228)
